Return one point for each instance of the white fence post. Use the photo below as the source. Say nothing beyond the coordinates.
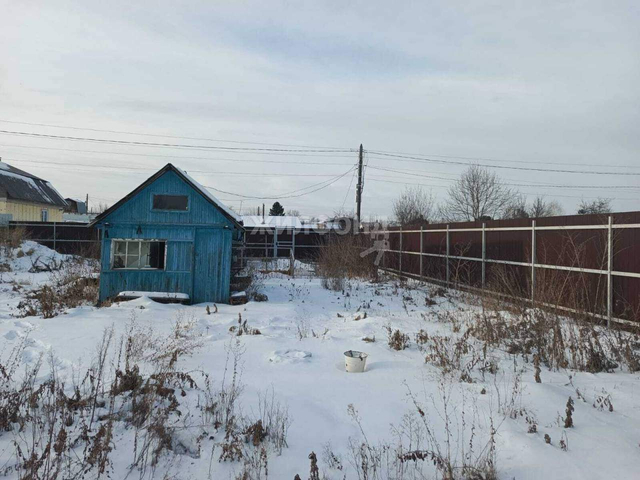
(421, 251)
(609, 268)
(484, 253)
(447, 255)
(293, 242)
(400, 254)
(533, 260)
(275, 242)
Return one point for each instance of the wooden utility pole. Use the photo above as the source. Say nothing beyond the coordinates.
(359, 187)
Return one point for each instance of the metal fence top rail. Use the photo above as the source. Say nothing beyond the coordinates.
(515, 229)
(519, 264)
(49, 224)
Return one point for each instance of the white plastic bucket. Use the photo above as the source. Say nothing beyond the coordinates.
(354, 361)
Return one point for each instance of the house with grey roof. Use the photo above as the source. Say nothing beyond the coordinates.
(25, 197)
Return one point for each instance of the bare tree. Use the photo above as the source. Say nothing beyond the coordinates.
(477, 194)
(293, 213)
(543, 208)
(414, 205)
(99, 208)
(517, 208)
(598, 206)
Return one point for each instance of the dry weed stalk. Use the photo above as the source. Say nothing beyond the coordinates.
(340, 261)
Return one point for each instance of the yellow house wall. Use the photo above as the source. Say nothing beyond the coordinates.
(29, 212)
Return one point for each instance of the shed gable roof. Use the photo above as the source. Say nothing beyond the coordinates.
(226, 211)
(16, 184)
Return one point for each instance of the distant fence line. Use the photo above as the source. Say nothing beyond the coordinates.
(592, 246)
(601, 253)
(284, 242)
(74, 237)
(63, 237)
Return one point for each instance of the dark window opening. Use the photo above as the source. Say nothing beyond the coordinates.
(170, 202)
(142, 254)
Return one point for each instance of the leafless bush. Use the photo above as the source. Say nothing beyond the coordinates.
(67, 431)
(247, 439)
(133, 385)
(10, 239)
(373, 461)
(455, 450)
(274, 421)
(73, 282)
(396, 339)
(340, 260)
(303, 329)
(557, 342)
(330, 458)
(568, 419)
(552, 335)
(243, 328)
(256, 282)
(451, 354)
(460, 454)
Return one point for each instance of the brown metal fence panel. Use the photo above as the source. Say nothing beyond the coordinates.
(569, 257)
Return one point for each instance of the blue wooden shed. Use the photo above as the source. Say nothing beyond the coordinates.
(171, 236)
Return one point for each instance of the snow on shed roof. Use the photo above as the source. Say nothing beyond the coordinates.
(16, 184)
(287, 221)
(210, 196)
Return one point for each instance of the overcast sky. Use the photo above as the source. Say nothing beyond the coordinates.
(550, 85)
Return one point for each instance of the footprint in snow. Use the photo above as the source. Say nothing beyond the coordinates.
(290, 356)
(13, 334)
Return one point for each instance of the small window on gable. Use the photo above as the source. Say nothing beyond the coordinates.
(178, 203)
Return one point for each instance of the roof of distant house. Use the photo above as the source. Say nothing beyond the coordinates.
(16, 184)
(80, 204)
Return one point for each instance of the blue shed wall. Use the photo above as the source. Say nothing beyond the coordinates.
(198, 248)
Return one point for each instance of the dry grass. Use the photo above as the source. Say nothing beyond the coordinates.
(72, 283)
(340, 261)
(133, 385)
(10, 239)
(457, 452)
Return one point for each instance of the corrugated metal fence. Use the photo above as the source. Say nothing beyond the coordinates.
(593, 260)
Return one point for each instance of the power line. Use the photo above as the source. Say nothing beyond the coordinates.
(528, 193)
(246, 142)
(168, 145)
(204, 172)
(323, 185)
(160, 135)
(488, 159)
(196, 158)
(431, 160)
(353, 175)
(415, 174)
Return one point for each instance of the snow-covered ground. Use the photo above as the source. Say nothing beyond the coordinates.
(298, 357)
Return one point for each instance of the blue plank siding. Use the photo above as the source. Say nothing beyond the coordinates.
(198, 243)
(138, 209)
(210, 269)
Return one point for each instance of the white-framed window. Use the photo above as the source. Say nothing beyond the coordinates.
(138, 254)
(44, 215)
